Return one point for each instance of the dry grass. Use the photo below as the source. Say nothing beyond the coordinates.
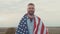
(52, 30)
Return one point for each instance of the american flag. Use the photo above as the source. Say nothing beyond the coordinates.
(39, 27)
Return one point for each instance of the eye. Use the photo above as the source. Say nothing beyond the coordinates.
(32, 8)
(29, 8)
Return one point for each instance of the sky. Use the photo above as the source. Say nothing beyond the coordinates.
(11, 11)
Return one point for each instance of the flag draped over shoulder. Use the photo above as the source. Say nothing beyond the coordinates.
(39, 27)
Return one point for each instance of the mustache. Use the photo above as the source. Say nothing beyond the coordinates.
(31, 11)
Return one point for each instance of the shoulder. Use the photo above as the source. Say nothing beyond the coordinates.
(24, 16)
(37, 17)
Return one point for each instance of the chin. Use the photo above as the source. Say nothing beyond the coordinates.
(31, 14)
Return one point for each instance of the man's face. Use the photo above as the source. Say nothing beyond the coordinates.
(31, 9)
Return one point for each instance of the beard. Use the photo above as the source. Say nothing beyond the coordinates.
(31, 12)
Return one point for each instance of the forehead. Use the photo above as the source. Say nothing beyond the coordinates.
(30, 6)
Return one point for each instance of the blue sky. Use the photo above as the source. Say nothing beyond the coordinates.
(11, 11)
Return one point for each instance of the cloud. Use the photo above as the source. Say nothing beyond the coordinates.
(48, 10)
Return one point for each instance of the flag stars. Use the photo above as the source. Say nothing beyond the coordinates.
(21, 25)
(25, 27)
(25, 19)
(22, 17)
(22, 29)
(26, 31)
(21, 32)
(18, 31)
(24, 22)
(19, 28)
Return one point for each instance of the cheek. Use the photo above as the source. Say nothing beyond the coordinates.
(31, 9)
(34, 9)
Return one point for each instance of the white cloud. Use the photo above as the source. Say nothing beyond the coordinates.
(49, 10)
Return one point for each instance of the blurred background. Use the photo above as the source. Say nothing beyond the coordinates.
(11, 11)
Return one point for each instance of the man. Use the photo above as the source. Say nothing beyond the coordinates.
(31, 24)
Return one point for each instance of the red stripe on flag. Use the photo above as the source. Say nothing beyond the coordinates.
(37, 25)
(34, 24)
(42, 29)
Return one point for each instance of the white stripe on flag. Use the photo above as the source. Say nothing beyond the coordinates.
(36, 22)
(39, 29)
(44, 30)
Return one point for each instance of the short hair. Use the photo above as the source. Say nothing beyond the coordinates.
(31, 4)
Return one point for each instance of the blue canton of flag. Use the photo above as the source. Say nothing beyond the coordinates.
(22, 27)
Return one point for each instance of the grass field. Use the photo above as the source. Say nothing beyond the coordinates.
(52, 30)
